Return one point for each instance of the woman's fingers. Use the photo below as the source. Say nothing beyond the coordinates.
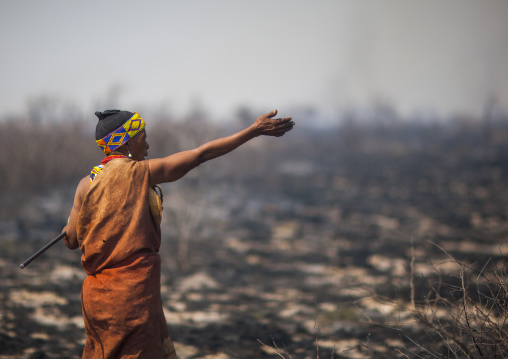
(270, 114)
(282, 126)
(286, 122)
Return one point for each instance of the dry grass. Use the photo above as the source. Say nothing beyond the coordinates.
(468, 319)
(472, 320)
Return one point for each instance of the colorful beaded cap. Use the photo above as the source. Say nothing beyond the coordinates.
(122, 134)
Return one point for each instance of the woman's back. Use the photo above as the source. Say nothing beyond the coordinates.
(115, 220)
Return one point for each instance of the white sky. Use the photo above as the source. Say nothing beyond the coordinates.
(446, 56)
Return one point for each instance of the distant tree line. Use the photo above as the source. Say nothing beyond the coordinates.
(52, 146)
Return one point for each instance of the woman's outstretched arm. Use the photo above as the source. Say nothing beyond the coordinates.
(174, 167)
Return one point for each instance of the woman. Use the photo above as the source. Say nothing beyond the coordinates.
(115, 221)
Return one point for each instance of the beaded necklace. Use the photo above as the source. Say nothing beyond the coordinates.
(98, 169)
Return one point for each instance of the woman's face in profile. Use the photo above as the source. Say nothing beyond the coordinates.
(138, 146)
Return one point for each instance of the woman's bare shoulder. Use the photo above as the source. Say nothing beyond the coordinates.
(83, 187)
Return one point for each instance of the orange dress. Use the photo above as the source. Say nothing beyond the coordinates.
(120, 240)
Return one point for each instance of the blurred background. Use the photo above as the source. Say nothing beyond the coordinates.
(398, 161)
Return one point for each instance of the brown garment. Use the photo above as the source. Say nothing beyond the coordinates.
(119, 238)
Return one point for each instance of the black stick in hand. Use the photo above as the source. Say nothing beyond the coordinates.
(42, 250)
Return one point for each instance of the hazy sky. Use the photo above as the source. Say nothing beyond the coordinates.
(446, 56)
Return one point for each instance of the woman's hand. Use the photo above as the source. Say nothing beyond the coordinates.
(268, 126)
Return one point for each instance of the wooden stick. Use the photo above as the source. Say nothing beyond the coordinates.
(42, 250)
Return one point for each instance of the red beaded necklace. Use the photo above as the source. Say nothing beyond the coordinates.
(109, 158)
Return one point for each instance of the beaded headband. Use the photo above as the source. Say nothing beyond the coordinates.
(122, 134)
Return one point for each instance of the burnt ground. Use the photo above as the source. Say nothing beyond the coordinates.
(308, 254)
